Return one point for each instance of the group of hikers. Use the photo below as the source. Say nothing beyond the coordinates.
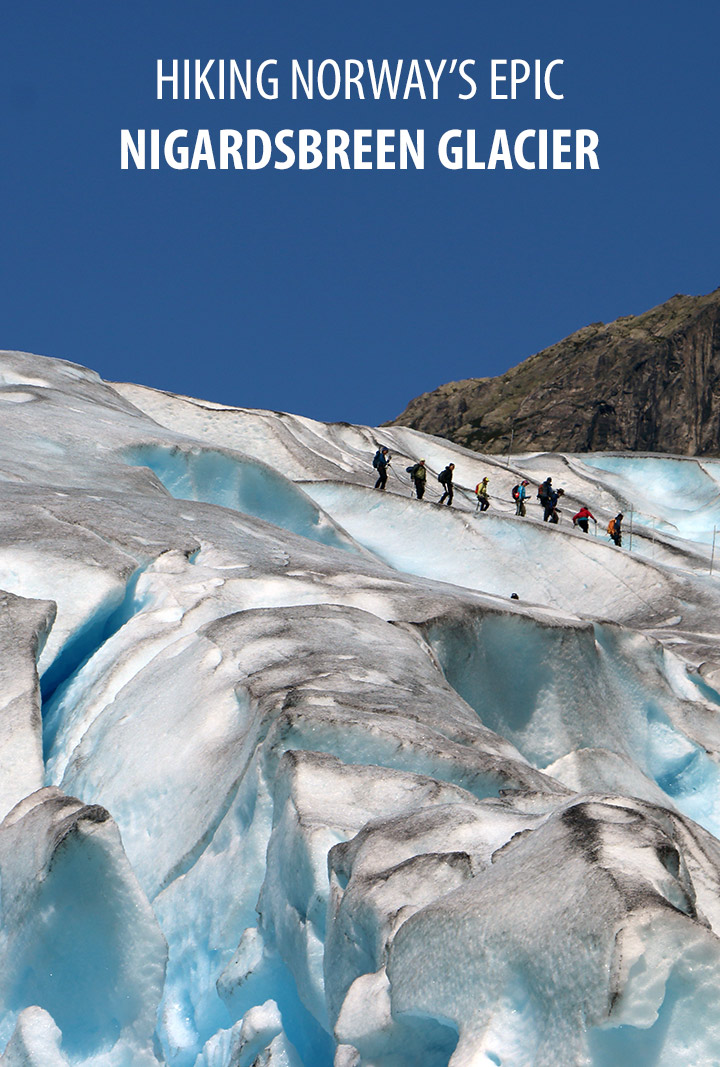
(418, 476)
(549, 497)
(546, 494)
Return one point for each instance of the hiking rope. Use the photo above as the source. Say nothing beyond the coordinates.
(400, 479)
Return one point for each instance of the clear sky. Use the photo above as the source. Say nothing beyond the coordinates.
(343, 294)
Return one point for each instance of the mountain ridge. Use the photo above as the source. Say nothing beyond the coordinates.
(648, 382)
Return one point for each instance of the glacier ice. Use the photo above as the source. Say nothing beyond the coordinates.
(287, 778)
(79, 938)
(35, 1041)
(24, 625)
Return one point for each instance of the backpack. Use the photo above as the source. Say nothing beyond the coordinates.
(378, 460)
(516, 492)
(543, 492)
(611, 527)
(444, 476)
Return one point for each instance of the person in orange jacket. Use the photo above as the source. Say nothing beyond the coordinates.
(615, 528)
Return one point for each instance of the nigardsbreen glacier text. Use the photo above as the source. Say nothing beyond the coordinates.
(357, 149)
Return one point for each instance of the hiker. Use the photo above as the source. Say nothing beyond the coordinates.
(418, 474)
(519, 495)
(550, 505)
(481, 492)
(615, 528)
(446, 480)
(582, 518)
(544, 491)
(381, 463)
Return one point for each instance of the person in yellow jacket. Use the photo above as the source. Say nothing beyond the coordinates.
(481, 492)
(418, 474)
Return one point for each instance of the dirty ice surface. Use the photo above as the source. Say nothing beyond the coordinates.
(288, 779)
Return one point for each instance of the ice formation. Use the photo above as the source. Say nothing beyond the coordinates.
(287, 779)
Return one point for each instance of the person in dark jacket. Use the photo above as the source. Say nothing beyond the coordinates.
(418, 473)
(583, 517)
(544, 491)
(446, 480)
(550, 505)
(380, 463)
(615, 528)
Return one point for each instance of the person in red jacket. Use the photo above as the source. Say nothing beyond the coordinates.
(582, 518)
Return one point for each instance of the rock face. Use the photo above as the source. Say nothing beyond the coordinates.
(648, 383)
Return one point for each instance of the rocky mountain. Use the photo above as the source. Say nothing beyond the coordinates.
(646, 383)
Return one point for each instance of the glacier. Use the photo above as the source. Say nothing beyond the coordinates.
(288, 778)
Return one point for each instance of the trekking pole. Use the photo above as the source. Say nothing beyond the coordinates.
(631, 528)
(712, 554)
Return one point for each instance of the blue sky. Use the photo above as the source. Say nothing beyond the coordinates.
(342, 295)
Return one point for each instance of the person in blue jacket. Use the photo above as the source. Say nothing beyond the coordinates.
(380, 463)
(521, 497)
(550, 503)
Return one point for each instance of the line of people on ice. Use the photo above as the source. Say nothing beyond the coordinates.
(546, 494)
(549, 498)
(418, 476)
